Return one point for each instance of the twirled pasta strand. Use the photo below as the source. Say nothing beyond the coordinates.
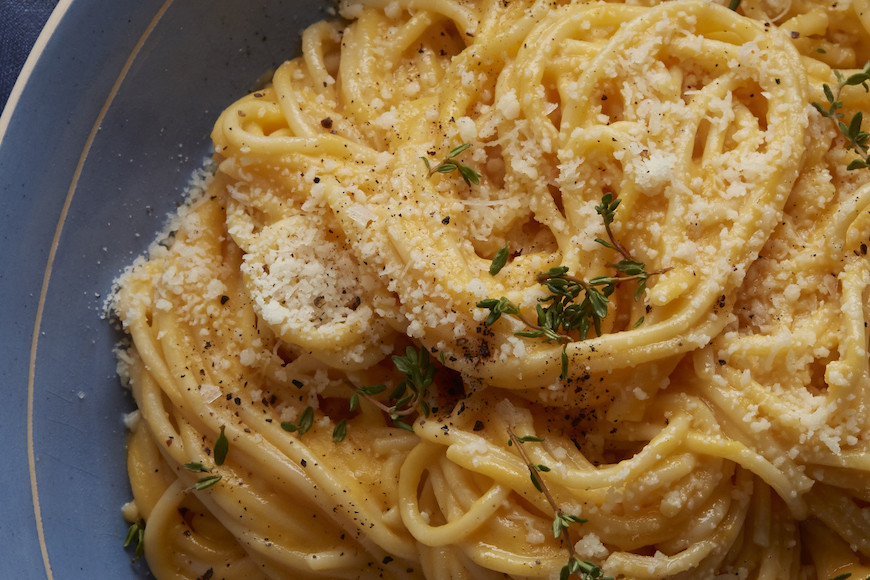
(717, 425)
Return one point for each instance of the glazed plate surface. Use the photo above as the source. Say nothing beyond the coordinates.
(101, 134)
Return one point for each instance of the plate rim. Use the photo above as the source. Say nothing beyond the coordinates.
(38, 52)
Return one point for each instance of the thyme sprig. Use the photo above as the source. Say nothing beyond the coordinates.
(562, 521)
(450, 164)
(221, 448)
(574, 306)
(851, 130)
(409, 397)
(410, 394)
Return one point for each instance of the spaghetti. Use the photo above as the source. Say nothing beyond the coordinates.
(714, 425)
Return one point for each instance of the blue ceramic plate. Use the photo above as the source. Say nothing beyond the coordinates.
(109, 119)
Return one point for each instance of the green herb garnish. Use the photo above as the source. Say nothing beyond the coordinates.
(524, 438)
(136, 533)
(450, 164)
(498, 307)
(303, 425)
(564, 316)
(340, 431)
(858, 139)
(584, 569)
(407, 398)
(561, 521)
(205, 481)
(221, 447)
(500, 260)
(366, 391)
(410, 394)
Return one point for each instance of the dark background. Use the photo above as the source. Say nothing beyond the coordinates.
(20, 24)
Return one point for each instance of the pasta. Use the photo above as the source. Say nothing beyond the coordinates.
(712, 423)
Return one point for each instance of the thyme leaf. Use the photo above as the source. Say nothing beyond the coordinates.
(500, 260)
(340, 431)
(524, 439)
(136, 533)
(497, 307)
(562, 521)
(583, 568)
(206, 482)
(851, 130)
(449, 164)
(196, 467)
(221, 447)
(368, 391)
(303, 425)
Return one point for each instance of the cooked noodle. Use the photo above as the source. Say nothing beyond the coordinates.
(717, 425)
